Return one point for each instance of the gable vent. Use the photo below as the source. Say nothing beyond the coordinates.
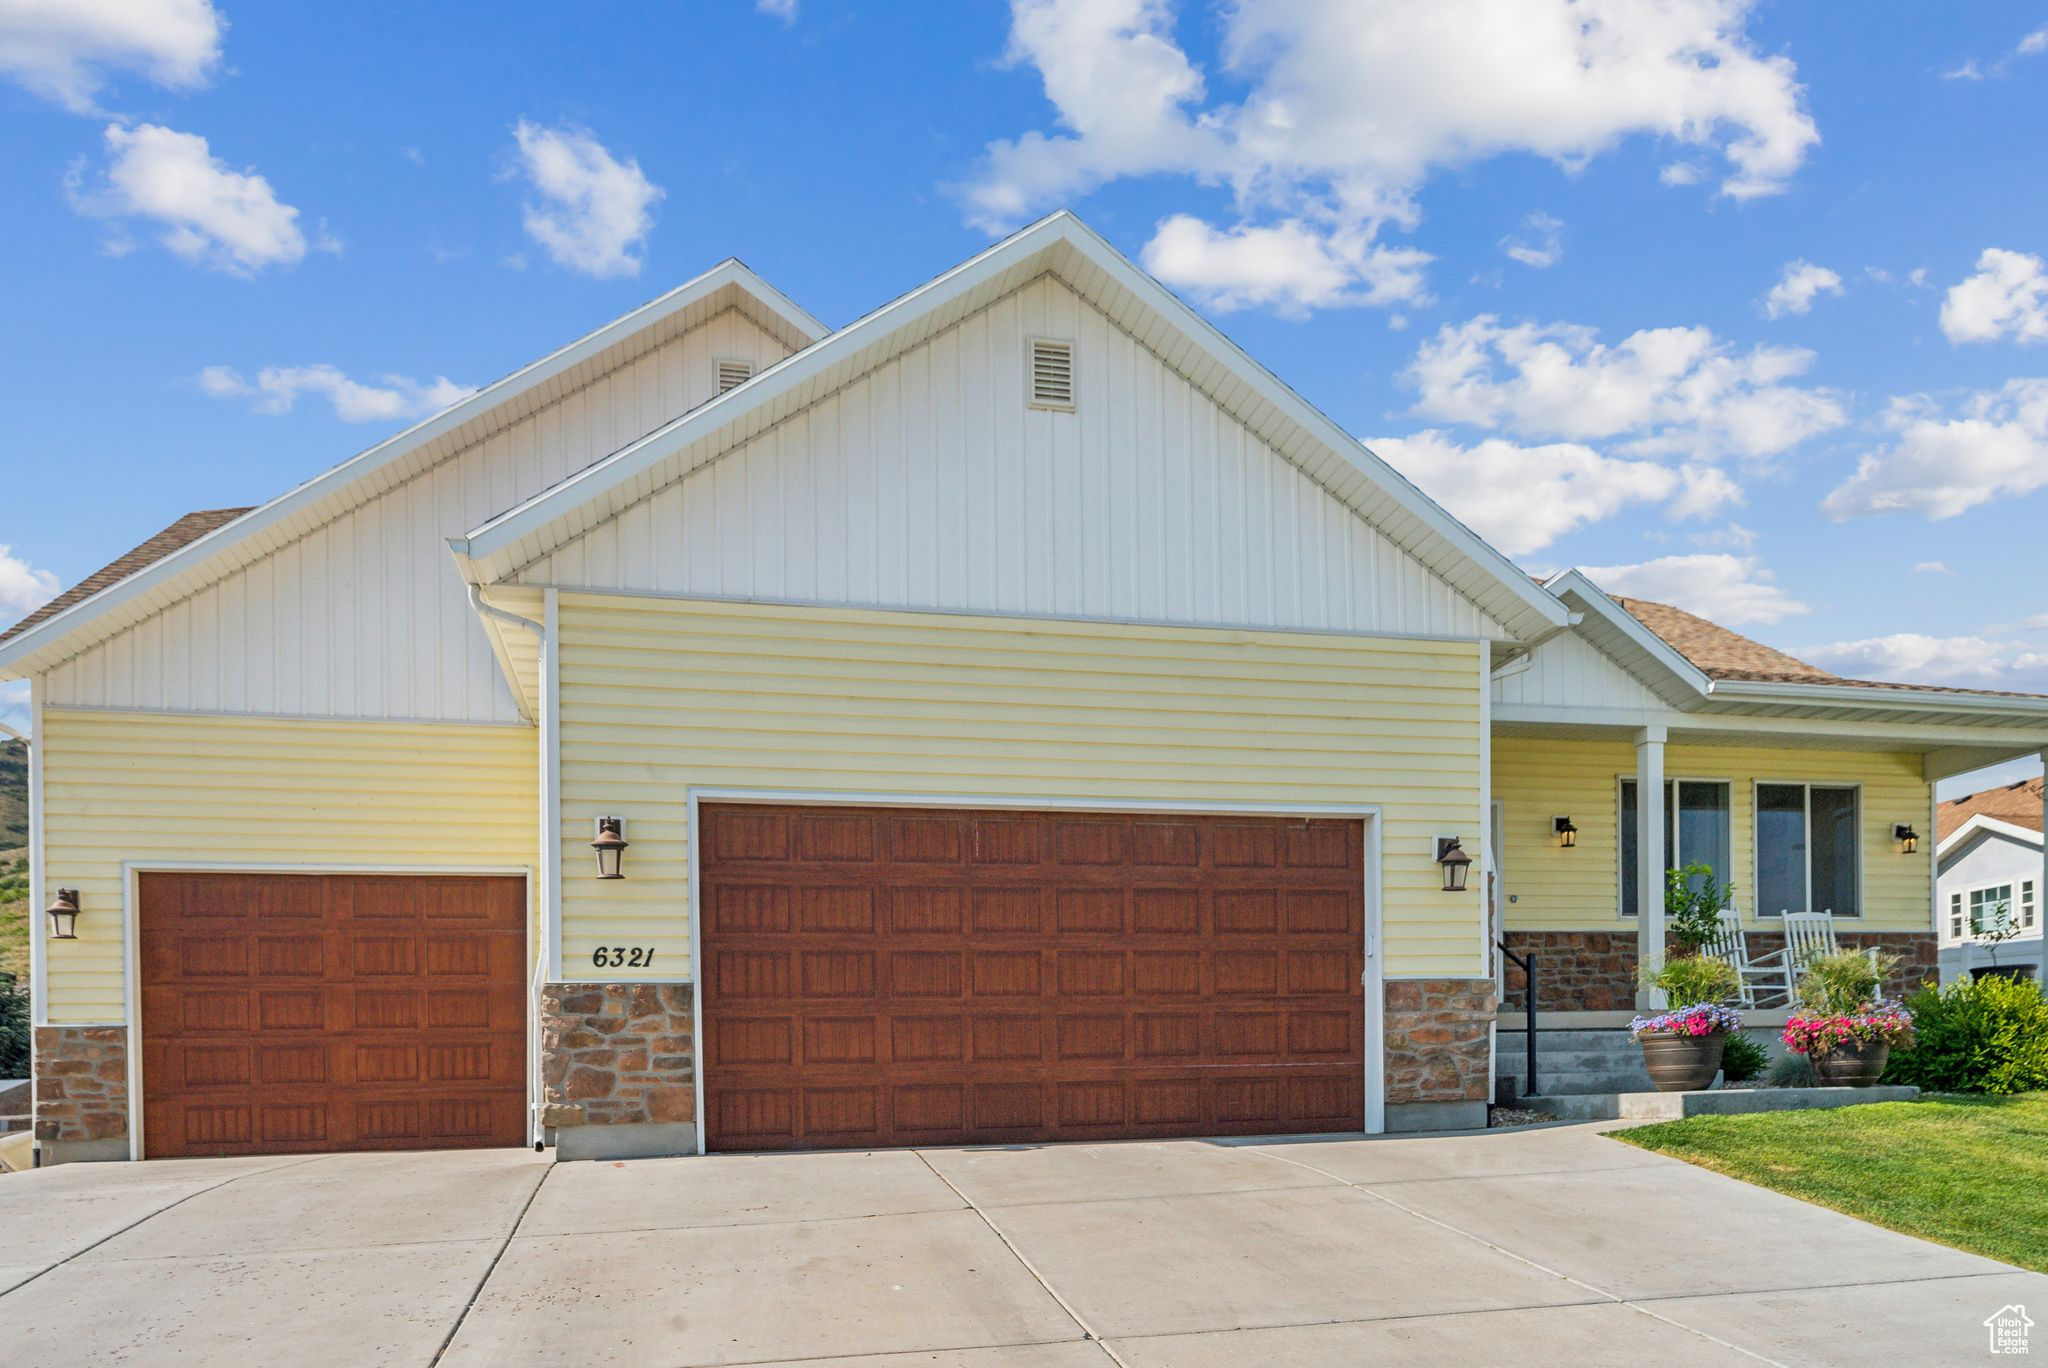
(1052, 374)
(734, 373)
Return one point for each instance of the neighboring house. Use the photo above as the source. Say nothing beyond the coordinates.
(1990, 878)
(1025, 718)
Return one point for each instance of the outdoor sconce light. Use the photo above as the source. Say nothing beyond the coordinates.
(1456, 863)
(610, 846)
(63, 914)
(1567, 834)
(1908, 839)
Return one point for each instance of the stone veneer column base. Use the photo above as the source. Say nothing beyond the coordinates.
(81, 1093)
(618, 1069)
(1439, 1048)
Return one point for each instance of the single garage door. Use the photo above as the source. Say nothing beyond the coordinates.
(287, 1013)
(889, 976)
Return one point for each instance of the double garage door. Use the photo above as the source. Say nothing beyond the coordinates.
(888, 976)
(287, 1013)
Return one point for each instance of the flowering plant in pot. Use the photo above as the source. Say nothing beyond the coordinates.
(1844, 1024)
(1682, 1047)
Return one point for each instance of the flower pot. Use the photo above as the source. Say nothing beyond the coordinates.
(1682, 1063)
(1857, 1065)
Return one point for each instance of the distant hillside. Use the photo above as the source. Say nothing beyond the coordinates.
(13, 794)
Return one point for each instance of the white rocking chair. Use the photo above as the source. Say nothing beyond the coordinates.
(1808, 936)
(1731, 944)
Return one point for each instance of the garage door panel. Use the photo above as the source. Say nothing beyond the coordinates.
(1114, 975)
(295, 1013)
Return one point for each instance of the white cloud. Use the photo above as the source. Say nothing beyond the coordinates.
(1966, 70)
(1289, 266)
(1796, 288)
(2034, 43)
(1932, 568)
(1347, 108)
(1667, 389)
(23, 587)
(1521, 499)
(1731, 590)
(1682, 173)
(591, 209)
(1969, 662)
(2007, 297)
(67, 50)
(14, 710)
(277, 388)
(208, 214)
(1543, 247)
(1942, 465)
(785, 10)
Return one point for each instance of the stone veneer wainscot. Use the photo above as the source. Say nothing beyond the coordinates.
(617, 1055)
(81, 1092)
(1439, 1035)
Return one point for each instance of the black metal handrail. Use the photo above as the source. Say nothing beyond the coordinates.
(1527, 963)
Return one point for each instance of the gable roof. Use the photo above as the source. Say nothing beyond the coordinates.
(2017, 804)
(76, 619)
(1717, 652)
(1061, 244)
(181, 533)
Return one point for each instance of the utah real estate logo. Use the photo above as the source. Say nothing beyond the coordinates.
(2008, 1328)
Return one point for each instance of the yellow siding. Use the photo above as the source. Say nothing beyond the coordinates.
(140, 787)
(660, 696)
(1537, 779)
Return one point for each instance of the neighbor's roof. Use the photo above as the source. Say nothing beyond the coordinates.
(2018, 804)
(78, 619)
(183, 532)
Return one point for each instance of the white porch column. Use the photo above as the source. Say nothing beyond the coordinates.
(1650, 861)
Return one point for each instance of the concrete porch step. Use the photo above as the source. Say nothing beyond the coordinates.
(1670, 1106)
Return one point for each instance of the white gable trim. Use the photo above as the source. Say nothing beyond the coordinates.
(1377, 491)
(1988, 826)
(264, 529)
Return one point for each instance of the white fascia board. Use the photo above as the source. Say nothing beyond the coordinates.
(259, 520)
(1851, 693)
(1681, 670)
(637, 458)
(1990, 826)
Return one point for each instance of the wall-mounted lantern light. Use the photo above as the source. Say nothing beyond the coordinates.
(610, 846)
(1567, 834)
(1908, 839)
(63, 914)
(1455, 862)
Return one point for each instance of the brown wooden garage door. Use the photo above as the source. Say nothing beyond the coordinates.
(886, 976)
(287, 1013)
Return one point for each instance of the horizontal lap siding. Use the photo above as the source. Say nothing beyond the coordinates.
(137, 787)
(659, 696)
(1536, 779)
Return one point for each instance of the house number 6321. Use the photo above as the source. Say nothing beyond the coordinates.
(623, 956)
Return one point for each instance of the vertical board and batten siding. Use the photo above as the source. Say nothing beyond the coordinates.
(125, 787)
(364, 616)
(1559, 890)
(1567, 671)
(660, 696)
(931, 483)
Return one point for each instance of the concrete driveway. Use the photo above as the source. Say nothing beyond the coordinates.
(1550, 1246)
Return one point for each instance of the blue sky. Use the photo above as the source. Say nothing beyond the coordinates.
(1734, 307)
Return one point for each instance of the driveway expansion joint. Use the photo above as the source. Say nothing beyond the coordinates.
(492, 1267)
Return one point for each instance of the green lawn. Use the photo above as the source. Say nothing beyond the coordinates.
(1968, 1171)
(14, 913)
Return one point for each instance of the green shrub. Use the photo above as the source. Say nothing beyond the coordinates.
(1842, 982)
(14, 1028)
(1987, 1035)
(1742, 1058)
(1690, 980)
(1692, 906)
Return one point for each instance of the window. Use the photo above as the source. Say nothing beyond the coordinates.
(1695, 831)
(1990, 909)
(1052, 375)
(1807, 850)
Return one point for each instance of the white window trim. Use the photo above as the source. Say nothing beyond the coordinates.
(1671, 783)
(2018, 883)
(1756, 844)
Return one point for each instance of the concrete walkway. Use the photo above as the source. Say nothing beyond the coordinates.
(1551, 1246)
